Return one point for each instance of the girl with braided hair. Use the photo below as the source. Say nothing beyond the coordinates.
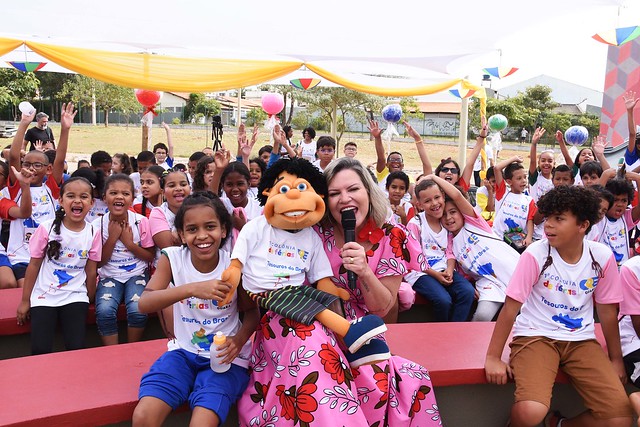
(61, 277)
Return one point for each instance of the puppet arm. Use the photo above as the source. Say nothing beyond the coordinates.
(232, 276)
(326, 285)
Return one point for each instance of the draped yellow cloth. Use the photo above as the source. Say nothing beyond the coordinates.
(7, 45)
(159, 72)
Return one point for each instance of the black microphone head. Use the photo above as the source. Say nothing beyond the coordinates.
(348, 219)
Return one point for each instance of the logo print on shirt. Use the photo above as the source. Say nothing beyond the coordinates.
(568, 322)
(588, 284)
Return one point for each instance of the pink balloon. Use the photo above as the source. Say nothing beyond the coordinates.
(272, 103)
(148, 98)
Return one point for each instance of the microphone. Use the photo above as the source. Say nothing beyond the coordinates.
(348, 221)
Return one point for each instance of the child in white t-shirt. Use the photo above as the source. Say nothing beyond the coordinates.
(514, 208)
(397, 186)
(449, 292)
(620, 218)
(482, 255)
(61, 277)
(188, 281)
(554, 288)
(127, 250)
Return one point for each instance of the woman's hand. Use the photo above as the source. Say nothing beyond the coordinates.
(354, 258)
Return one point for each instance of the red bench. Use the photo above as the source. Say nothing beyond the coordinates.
(9, 300)
(99, 386)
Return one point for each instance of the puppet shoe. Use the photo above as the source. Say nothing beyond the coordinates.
(373, 352)
(362, 330)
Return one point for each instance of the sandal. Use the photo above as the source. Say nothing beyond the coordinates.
(552, 419)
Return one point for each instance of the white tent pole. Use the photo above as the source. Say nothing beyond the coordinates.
(464, 124)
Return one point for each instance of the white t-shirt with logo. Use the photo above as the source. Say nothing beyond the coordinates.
(512, 210)
(195, 321)
(485, 257)
(44, 205)
(558, 303)
(308, 150)
(273, 258)
(62, 281)
(434, 246)
(123, 263)
(616, 235)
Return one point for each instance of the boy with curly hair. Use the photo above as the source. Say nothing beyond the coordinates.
(555, 286)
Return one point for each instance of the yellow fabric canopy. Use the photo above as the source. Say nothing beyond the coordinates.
(157, 72)
(7, 45)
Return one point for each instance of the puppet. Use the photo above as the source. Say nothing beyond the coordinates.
(278, 253)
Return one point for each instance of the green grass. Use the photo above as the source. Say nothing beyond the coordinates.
(85, 139)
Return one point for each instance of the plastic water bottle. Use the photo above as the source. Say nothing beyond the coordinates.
(218, 339)
(26, 108)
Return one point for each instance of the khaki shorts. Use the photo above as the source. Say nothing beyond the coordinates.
(535, 362)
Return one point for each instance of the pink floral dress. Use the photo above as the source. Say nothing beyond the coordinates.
(300, 375)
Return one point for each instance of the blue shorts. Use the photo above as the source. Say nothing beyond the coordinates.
(4, 261)
(179, 376)
(19, 269)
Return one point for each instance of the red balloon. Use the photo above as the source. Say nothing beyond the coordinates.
(148, 98)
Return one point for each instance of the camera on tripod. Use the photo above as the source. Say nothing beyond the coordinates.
(216, 132)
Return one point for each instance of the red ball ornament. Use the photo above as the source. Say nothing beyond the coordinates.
(148, 98)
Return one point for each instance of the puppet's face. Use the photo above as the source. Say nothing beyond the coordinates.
(292, 203)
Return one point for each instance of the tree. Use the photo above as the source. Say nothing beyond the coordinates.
(16, 86)
(198, 103)
(340, 101)
(256, 115)
(108, 97)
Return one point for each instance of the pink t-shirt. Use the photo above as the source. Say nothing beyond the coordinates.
(63, 281)
(630, 304)
(161, 219)
(558, 303)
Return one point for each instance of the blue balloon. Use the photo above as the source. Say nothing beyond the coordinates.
(576, 135)
(392, 113)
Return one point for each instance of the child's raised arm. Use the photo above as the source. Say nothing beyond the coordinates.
(16, 145)
(66, 120)
(481, 140)
(598, 145)
(376, 133)
(563, 148)
(25, 208)
(427, 169)
(499, 167)
(167, 129)
(533, 154)
(450, 190)
(221, 159)
(630, 102)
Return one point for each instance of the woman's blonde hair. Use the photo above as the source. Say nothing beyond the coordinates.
(379, 209)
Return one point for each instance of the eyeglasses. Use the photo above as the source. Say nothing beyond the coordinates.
(36, 166)
(452, 170)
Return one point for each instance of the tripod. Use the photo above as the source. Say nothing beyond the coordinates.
(216, 132)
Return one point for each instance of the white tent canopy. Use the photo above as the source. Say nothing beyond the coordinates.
(425, 42)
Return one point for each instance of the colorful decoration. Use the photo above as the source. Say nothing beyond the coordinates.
(305, 84)
(497, 122)
(576, 135)
(462, 93)
(26, 66)
(500, 72)
(392, 113)
(619, 36)
(272, 104)
(149, 99)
